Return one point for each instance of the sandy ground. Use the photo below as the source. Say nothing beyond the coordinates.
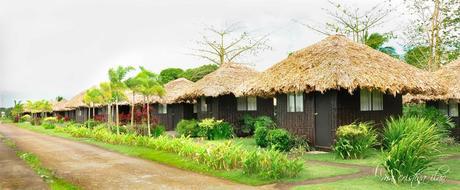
(91, 167)
(15, 174)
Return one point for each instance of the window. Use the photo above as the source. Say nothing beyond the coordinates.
(450, 109)
(162, 108)
(453, 108)
(195, 108)
(295, 102)
(371, 100)
(246, 103)
(203, 105)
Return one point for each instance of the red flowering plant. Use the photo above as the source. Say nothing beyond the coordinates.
(100, 118)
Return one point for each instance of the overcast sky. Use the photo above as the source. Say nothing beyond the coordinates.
(59, 48)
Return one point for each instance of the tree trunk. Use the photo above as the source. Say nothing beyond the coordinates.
(433, 59)
(148, 119)
(108, 113)
(117, 116)
(132, 111)
(94, 112)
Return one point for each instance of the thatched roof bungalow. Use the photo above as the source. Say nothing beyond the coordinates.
(167, 110)
(215, 95)
(60, 109)
(336, 82)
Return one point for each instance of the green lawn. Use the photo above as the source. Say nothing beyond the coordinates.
(372, 159)
(309, 172)
(368, 183)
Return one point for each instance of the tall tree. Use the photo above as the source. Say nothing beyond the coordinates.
(150, 86)
(220, 45)
(135, 85)
(195, 74)
(107, 98)
(92, 96)
(352, 22)
(170, 74)
(435, 24)
(418, 56)
(17, 109)
(377, 41)
(117, 76)
(59, 98)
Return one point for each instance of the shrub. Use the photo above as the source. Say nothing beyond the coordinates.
(413, 148)
(25, 118)
(271, 164)
(279, 139)
(260, 135)
(354, 140)
(247, 124)
(90, 123)
(215, 129)
(264, 121)
(158, 130)
(442, 121)
(188, 128)
(50, 120)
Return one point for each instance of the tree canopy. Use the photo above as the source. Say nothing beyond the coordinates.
(195, 74)
(170, 74)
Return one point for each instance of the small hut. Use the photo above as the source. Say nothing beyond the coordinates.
(336, 82)
(167, 110)
(447, 103)
(81, 110)
(215, 96)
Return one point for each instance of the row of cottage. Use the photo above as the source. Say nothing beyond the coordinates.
(310, 93)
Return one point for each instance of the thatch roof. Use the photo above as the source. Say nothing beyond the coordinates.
(222, 81)
(174, 89)
(339, 63)
(448, 74)
(76, 101)
(61, 106)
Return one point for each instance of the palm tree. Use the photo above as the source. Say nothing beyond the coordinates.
(116, 77)
(107, 98)
(92, 96)
(150, 86)
(17, 109)
(135, 85)
(31, 107)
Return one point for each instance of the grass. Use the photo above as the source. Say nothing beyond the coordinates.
(54, 182)
(371, 160)
(367, 183)
(309, 172)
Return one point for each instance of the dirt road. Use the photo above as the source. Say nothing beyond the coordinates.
(15, 174)
(91, 167)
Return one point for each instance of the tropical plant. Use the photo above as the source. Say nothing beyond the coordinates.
(260, 135)
(377, 41)
(413, 146)
(107, 98)
(92, 96)
(116, 77)
(195, 74)
(215, 129)
(279, 139)
(188, 128)
(135, 85)
(441, 120)
(158, 130)
(354, 140)
(17, 110)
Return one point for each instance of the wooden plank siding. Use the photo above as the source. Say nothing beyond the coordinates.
(344, 109)
(174, 113)
(225, 108)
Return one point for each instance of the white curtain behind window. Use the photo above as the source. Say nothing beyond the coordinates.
(365, 100)
(204, 106)
(252, 104)
(290, 102)
(241, 103)
(299, 102)
(444, 108)
(377, 100)
(453, 108)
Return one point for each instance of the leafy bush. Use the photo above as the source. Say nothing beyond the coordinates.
(435, 116)
(413, 147)
(279, 139)
(354, 140)
(215, 129)
(247, 124)
(50, 120)
(264, 121)
(188, 128)
(48, 126)
(158, 130)
(90, 123)
(271, 164)
(222, 156)
(25, 118)
(260, 135)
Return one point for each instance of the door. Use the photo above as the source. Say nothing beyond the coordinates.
(323, 119)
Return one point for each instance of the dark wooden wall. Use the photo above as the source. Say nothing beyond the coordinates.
(225, 107)
(81, 114)
(299, 123)
(175, 113)
(344, 109)
(348, 109)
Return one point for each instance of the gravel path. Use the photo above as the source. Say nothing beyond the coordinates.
(91, 167)
(15, 174)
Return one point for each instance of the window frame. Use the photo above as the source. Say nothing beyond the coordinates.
(371, 100)
(447, 109)
(203, 104)
(244, 101)
(296, 104)
(162, 109)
